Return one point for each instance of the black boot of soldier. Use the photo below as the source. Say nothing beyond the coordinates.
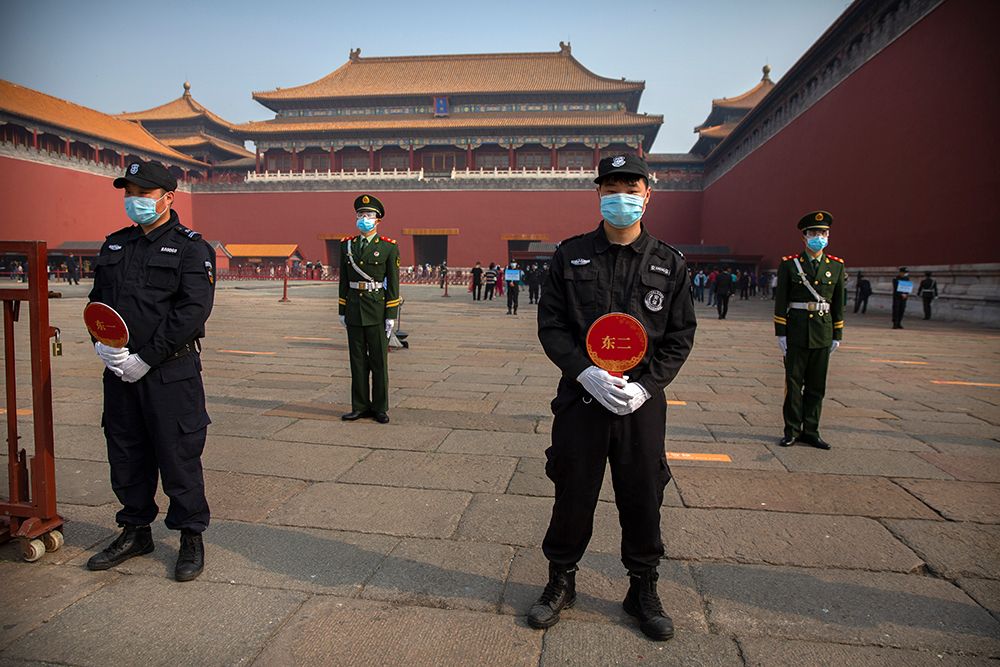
(643, 602)
(191, 557)
(133, 541)
(559, 594)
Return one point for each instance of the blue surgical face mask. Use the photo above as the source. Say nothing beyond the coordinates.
(817, 243)
(142, 210)
(622, 210)
(365, 225)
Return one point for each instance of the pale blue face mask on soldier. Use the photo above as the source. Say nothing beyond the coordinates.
(142, 210)
(621, 210)
(365, 225)
(817, 243)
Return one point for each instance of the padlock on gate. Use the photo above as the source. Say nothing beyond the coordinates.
(57, 343)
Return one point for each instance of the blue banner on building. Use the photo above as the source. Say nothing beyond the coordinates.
(440, 106)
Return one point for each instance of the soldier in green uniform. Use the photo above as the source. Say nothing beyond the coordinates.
(369, 302)
(809, 323)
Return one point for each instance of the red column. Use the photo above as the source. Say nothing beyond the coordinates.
(121, 160)
(413, 165)
(67, 148)
(554, 158)
(510, 158)
(295, 159)
(597, 156)
(371, 158)
(34, 139)
(256, 166)
(469, 164)
(640, 150)
(333, 159)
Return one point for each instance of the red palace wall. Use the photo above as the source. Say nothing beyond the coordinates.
(54, 204)
(903, 153)
(481, 217)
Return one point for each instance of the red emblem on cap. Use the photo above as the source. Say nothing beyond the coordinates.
(105, 324)
(616, 342)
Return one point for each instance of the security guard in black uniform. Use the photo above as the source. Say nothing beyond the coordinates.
(160, 277)
(369, 303)
(617, 267)
(809, 323)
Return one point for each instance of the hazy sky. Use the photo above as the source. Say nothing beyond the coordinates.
(118, 56)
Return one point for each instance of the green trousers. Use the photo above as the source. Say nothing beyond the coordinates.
(369, 349)
(805, 386)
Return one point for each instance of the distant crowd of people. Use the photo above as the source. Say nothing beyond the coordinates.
(718, 284)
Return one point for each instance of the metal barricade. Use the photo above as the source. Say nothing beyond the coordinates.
(30, 511)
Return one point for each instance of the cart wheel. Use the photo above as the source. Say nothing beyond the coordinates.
(32, 550)
(53, 541)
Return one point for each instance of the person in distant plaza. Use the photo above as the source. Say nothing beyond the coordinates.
(442, 274)
(500, 281)
(368, 305)
(490, 280)
(600, 418)
(743, 285)
(862, 292)
(928, 291)
(809, 325)
(899, 296)
(72, 270)
(713, 278)
(160, 277)
(700, 280)
(513, 284)
(533, 276)
(724, 285)
(477, 282)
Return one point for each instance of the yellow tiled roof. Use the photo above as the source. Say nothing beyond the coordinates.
(200, 139)
(454, 74)
(717, 131)
(752, 97)
(183, 108)
(33, 105)
(261, 249)
(499, 121)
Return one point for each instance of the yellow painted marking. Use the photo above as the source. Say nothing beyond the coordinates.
(961, 384)
(687, 456)
(900, 361)
(245, 352)
(22, 412)
(304, 338)
(670, 402)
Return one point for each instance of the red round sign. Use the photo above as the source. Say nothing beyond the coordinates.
(105, 324)
(616, 342)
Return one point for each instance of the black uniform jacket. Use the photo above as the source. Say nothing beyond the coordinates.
(162, 285)
(588, 278)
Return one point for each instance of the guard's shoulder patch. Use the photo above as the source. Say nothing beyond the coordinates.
(675, 250)
(387, 239)
(836, 259)
(788, 257)
(190, 233)
(346, 239)
(574, 238)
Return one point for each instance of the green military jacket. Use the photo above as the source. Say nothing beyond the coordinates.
(804, 328)
(380, 260)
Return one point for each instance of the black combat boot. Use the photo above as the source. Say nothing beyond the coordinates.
(191, 557)
(643, 602)
(134, 541)
(559, 594)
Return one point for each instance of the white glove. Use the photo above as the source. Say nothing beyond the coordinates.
(637, 396)
(111, 356)
(606, 388)
(783, 344)
(389, 324)
(834, 345)
(343, 321)
(133, 368)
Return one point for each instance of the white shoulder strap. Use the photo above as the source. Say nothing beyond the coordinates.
(805, 281)
(350, 258)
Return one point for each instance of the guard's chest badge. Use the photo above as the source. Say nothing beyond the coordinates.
(376, 255)
(654, 300)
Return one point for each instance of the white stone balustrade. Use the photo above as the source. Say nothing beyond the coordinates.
(328, 175)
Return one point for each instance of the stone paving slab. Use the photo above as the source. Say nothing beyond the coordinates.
(203, 623)
(374, 509)
(764, 652)
(601, 585)
(363, 434)
(958, 501)
(463, 441)
(840, 460)
(967, 468)
(434, 470)
(984, 591)
(952, 549)
(581, 644)
(846, 607)
(359, 632)
(41, 591)
(779, 538)
(321, 463)
(442, 574)
(242, 497)
(798, 492)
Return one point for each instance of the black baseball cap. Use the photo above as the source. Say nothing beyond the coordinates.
(147, 175)
(624, 164)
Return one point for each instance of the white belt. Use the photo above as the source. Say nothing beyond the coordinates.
(811, 306)
(368, 287)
